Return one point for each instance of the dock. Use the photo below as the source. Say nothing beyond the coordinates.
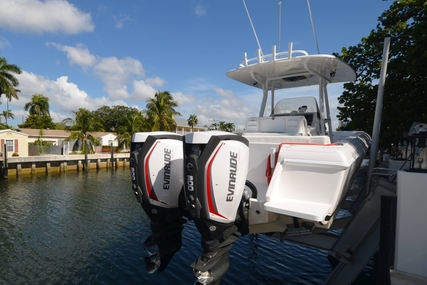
(17, 166)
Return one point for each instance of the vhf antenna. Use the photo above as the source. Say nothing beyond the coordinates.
(280, 24)
(250, 20)
(312, 26)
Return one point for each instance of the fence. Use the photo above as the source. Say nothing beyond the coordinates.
(35, 150)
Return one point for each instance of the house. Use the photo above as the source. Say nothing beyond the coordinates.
(15, 142)
(54, 136)
(57, 137)
(106, 139)
(183, 128)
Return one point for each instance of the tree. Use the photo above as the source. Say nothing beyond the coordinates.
(226, 126)
(8, 82)
(192, 121)
(405, 89)
(161, 112)
(115, 116)
(7, 114)
(81, 127)
(39, 106)
(134, 123)
(38, 122)
(221, 126)
(212, 127)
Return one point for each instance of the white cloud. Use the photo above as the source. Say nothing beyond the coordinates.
(182, 98)
(122, 77)
(79, 55)
(155, 81)
(200, 10)
(198, 85)
(4, 42)
(141, 91)
(50, 16)
(227, 107)
(117, 73)
(64, 96)
(121, 20)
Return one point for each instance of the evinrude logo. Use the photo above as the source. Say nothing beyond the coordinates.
(167, 168)
(232, 176)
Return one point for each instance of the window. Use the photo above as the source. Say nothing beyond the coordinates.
(110, 142)
(9, 145)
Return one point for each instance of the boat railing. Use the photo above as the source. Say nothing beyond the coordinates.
(273, 56)
(382, 172)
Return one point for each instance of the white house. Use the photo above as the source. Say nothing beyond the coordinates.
(57, 137)
(183, 128)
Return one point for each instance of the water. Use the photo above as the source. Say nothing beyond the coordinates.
(87, 228)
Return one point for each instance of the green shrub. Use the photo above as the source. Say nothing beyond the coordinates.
(41, 143)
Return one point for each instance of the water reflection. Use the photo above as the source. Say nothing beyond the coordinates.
(87, 228)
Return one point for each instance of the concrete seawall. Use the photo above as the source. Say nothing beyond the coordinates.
(17, 166)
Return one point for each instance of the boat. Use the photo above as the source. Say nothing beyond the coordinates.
(288, 173)
(300, 167)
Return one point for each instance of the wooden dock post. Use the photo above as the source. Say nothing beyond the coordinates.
(112, 156)
(37, 165)
(63, 167)
(5, 167)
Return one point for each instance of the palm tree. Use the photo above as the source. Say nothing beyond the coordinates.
(134, 123)
(8, 81)
(84, 123)
(226, 126)
(161, 112)
(7, 114)
(192, 121)
(39, 106)
(213, 127)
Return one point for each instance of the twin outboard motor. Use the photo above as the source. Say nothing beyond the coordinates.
(156, 164)
(201, 176)
(215, 168)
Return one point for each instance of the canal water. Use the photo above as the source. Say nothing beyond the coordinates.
(87, 228)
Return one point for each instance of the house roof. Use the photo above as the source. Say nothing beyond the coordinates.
(56, 133)
(184, 123)
(12, 131)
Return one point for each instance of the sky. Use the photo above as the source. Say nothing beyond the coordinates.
(88, 54)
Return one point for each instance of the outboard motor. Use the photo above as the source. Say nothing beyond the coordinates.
(215, 168)
(156, 164)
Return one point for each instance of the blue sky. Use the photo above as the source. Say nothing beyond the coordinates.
(87, 54)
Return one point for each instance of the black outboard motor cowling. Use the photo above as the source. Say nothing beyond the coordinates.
(215, 168)
(156, 164)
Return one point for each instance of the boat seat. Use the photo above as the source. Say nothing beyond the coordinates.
(291, 125)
